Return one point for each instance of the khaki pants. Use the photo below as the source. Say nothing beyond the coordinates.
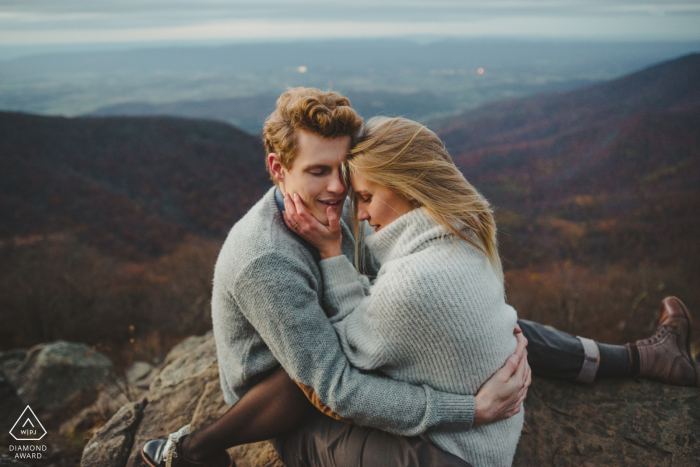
(322, 441)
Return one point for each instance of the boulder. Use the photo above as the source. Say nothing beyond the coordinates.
(9, 461)
(611, 422)
(11, 407)
(59, 378)
(108, 403)
(112, 443)
(139, 377)
(12, 360)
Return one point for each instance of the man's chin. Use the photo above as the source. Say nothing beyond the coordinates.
(321, 215)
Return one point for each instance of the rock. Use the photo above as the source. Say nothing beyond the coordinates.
(107, 404)
(11, 407)
(185, 347)
(59, 378)
(187, 390)
(12, 360)
(112, 443)
(175, 394)
(611, 422)
(8, 461)
(139, 377)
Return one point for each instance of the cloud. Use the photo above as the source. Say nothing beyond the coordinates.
(80, 21)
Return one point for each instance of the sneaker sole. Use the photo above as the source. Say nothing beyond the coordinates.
(145, 459)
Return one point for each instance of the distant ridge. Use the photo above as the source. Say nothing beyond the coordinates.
(134, 186)
(610, 171)
(667, 86)
(249, 113)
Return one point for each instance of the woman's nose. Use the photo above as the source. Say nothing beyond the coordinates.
(362, 214)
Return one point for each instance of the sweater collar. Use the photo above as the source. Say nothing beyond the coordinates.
(279, 199)
(404, 236)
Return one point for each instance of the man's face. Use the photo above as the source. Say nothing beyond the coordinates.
(315, 174)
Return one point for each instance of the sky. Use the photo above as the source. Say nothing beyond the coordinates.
(26, 23)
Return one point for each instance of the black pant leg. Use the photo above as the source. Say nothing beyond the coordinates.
(322, 441)
(552, 353)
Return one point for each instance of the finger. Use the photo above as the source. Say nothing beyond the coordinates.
(523, 396)
(510, 367)
(520, 373)
(289, 207)
(522, 393)
(529, 377)
(527, 371)
(333, 220)
(517, 329)
(522, 343)
(287, 220)
(295, 215)
(301, 210)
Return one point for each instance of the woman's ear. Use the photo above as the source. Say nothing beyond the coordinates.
(276, 168)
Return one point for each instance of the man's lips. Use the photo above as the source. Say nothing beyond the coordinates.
(331, 202)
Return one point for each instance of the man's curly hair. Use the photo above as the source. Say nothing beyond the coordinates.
(323, 113)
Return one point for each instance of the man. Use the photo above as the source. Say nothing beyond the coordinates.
(267, 310)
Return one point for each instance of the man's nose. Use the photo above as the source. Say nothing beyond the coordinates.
(335, 185)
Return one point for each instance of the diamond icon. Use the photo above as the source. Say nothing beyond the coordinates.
(28, 427)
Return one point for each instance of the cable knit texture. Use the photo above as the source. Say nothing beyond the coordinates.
(435, 315)
(267, 309)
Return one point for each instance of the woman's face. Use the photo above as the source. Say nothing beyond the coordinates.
(377, 204)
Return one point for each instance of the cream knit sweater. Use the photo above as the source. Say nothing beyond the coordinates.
(436, 316)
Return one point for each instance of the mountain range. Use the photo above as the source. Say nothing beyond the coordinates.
(609, 172)
(111, 225)
(133, 186)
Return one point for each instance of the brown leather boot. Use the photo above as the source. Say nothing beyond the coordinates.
(666, 356)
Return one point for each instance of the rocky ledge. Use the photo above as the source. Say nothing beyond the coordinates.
(612, 422)
(74, 389)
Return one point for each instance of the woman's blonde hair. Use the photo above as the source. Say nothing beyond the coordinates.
(410, 160)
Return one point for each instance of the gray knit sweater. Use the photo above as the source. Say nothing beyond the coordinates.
(267, 309)
(435, 315)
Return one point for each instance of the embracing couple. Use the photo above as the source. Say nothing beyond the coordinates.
(359, 310)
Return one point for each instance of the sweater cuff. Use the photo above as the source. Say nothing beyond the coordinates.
(337, 269)
(456, 410)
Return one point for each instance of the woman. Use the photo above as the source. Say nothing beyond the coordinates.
(438, 300)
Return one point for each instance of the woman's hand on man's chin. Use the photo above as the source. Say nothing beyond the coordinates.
(503, 394)
(327, 239)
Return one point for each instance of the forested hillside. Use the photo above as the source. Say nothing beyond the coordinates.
(111, 226)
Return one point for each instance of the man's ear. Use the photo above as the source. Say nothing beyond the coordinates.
(276, 168)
